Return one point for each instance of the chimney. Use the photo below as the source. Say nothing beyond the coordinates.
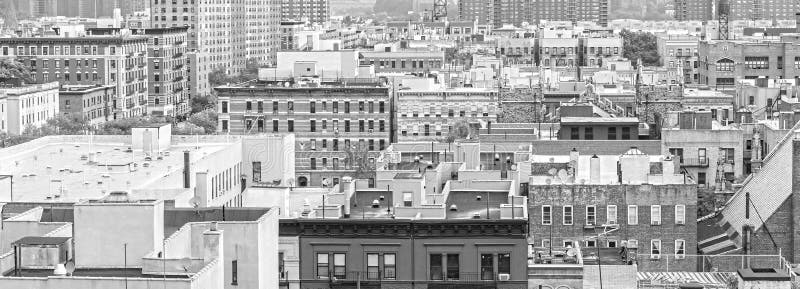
(212, 244)
(573, 160)
(187, 170)
(594, 170)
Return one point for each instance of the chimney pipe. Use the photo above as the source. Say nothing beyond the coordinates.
(187, 170)
(594, 170)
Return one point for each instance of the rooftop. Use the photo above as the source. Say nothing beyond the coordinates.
(93, 272)
(601, 120)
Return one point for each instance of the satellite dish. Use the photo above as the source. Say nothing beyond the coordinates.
(70, 266)
(571, 252)
(186, 263)
(195, 202)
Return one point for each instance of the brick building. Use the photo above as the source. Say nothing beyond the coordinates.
(90, 102)
(599, 128)
(336, 123)
(403, 61)
(681, 52)
(694, 10)
(424, 115)
(314, 11)
(167, 85)
(571, 10)
(723, 63)
(119, 60)
(644, 197)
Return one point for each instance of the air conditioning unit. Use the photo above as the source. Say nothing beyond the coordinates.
(680, 257)
(680, 222)
(655, 257)
(504, 277)
(612, 222)
(655, 223)
(370, 130)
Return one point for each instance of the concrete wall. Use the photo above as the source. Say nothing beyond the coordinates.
(290, 247)
(276, 154)
(139, 225)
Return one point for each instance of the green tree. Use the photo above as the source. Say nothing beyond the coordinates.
(461, 129)
(219, 77)
(641, 45)
(10, 68)
(360, 160)
(207, 120)
(203, 102)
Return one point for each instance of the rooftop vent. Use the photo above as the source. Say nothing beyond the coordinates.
(117, 197)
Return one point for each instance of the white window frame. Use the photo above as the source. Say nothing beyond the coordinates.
(564, 216)
(550, 221)
(633, 219)
(545, 243)
(594, 215)
(655, 215)
(655, 244)
(680, 214)
(632, 243)
(611, 219)
(678, 244)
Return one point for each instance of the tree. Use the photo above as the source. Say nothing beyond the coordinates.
(10, 68)
(360, 160)
(641, 45)
(461, 129)
(207, 120)
(203, 102)
(219, 77)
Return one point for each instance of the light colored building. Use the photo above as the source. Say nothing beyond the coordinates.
(119, 60)
(680, 51)
(23, 105)
(428, 114)
(316, 12)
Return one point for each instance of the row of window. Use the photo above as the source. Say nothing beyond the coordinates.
(383, 266)
(363, 125)
(590, 216)
(656, 250)
(363, 106)
(335, 144)
(588, 133)
(59, 50)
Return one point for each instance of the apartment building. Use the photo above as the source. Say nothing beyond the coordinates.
(480, 11)
(225, 34)
(590, 195)
(167, 64)
(119, 60)
(723, 63)
(763, 9)
(694, 10)
(571, 10)
(425, 115)
(403, 61)
(679, 51)
(315, 12)
(89, 102)
(23, 105)
(339, 125)
(559, 52)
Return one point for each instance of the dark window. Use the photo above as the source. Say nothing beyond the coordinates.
(260, 106)
(248, 106)
(336, 107)
(436, 267)
(701, 178)
(487, 267)
(361, 125)
(290, 106)
(504, 263)
(346, 107)
(626, 133)
(612, 133)
(224, 107)
(452, 267)
(381, 125)
(347, 125)
(275, 125)
(588, 133)
(234, 273)
(313, 125)
(256, 172)
(224, 125)
(291, 126)
(380, 107)
(274, 107)
(574, 133)
(360, 106)
(312, 107)
(313, 162)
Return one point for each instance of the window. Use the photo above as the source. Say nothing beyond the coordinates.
(339, 266)
(633, 215)
(380, 107)
(453, 267)
(372, 266)
(248, 105)
(655, 249)
(291, 126)
(633, 243)
(504, 263)
(313, 124)
(611, 214)
(590, 243)
(274, 107)
(347, 125)
(547, 215)
(389, 266)
(224, 107)
(224, 125)
(313, 162)
(591, 215)
(725, 65)
(335, 107)
(574, 133)
(312, 107)
(234, 272)
(588, 133)
(701, 178)
(381, 126)
(680, 249)
(274, 125)
(260, 106)
(346, 107)
(727, 155)
(256, 172)
(655, 215)
(755, 62)
(680, 214)
(567, 215)
(322, 266)
(797, 62)
(626, 133)
(281, 266)
(612, 133)
(487, 266)
(408, 199)
(290, 106)
(436, 267)
(545, 243)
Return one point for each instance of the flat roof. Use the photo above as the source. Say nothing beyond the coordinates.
(59, 168)
(762, 274)
(34, 240)
(602, 120)
(94, 272)
(407, 176)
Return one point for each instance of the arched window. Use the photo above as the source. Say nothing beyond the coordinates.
(725, 65)
(302, 181)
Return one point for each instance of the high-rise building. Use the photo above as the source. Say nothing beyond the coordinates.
(313, 11)
(700, 10)
(119, 60)
(496, 12)
(224, 34)
(763, 9)
(571, 10)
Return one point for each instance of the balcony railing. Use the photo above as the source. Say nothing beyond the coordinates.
(695, 162)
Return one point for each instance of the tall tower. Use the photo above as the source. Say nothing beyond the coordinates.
(439, 9)
(723, 11)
